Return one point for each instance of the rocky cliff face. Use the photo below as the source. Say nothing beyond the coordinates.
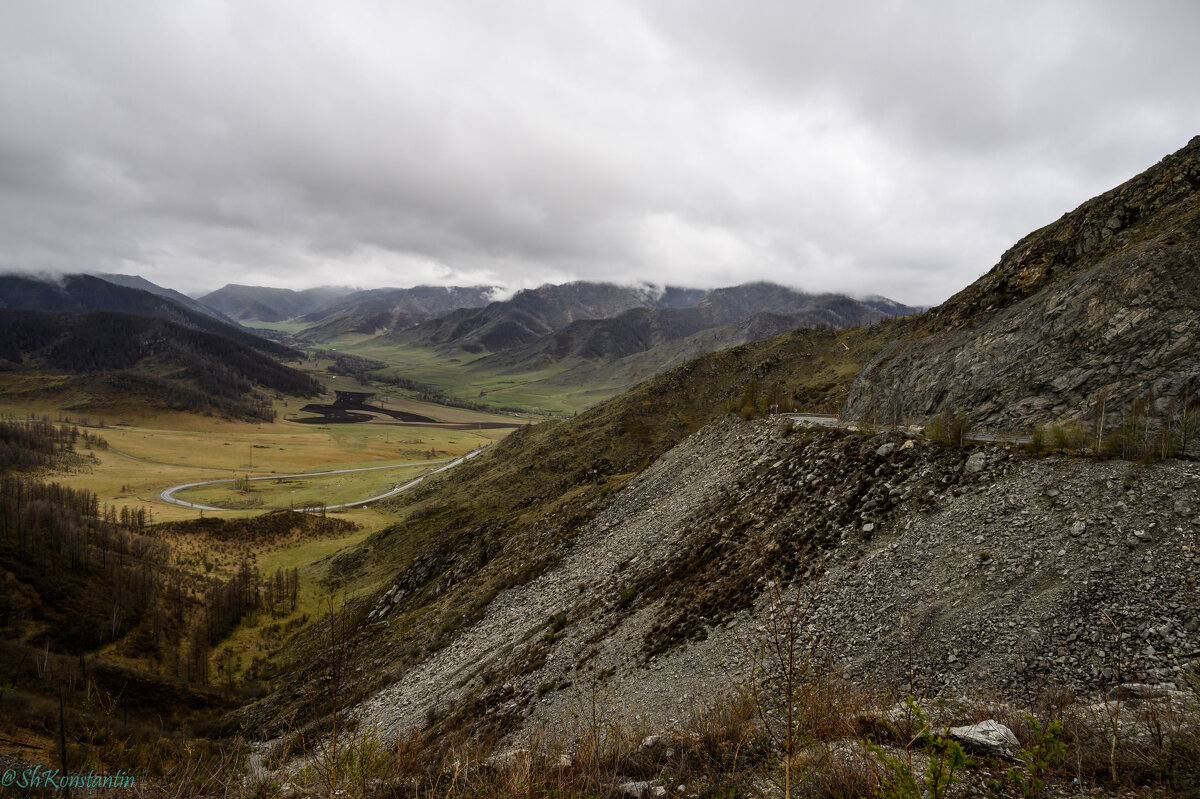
(1105, 299)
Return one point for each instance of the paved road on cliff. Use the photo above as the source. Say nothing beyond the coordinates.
(828, 420)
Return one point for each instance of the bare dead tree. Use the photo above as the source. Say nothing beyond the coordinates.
(1099, 409)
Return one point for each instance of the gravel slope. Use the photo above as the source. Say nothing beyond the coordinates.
(992, 574)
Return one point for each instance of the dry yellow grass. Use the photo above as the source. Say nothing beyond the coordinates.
(152, 450)
(332, 489)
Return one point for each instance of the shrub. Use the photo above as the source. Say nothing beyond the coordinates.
(1037, 441)
(949, 426)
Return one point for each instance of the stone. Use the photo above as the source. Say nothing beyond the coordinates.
(634, 790)
(1136, 691)
(885, 450)
(509, 758)
(989, 738)
(1078, 528)
(976, 462)
(651, 741)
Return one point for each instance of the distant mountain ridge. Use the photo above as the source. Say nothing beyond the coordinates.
(526, 317)
(457, 319)
(373, 311)
(606, 320)
(266, 304)
(640, 329)
(79, 293)
(130, 345)
(140, 283)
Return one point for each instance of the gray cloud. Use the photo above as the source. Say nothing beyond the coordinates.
(892, 148)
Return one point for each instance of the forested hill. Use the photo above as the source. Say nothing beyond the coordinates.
(156, 360)
(80, 293)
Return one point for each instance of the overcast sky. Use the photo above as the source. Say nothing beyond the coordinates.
(875, 147)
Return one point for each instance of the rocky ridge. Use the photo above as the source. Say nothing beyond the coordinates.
(1104, 300)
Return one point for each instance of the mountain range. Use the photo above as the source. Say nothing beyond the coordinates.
(631, 601)
(637, 548)
(565, 346)
(252, 304)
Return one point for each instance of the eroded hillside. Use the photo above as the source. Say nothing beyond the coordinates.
(978, 570)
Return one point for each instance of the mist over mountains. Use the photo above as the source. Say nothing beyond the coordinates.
(574, 343)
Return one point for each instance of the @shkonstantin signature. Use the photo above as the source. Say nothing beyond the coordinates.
(38, 777)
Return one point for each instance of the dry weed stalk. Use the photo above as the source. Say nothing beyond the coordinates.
(785, 679)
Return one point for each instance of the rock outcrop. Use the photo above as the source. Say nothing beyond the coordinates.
(1107, 299)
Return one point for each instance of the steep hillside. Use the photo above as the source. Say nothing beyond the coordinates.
(660, 586)
(979, 576)
(1077, 320)
(140, 283)
(506, 516)
(263, 304)
(123, 357)
(77, 293)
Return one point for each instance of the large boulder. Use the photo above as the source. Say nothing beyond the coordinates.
(988, 738)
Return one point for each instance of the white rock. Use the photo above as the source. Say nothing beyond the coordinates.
(976, 462)
(989, 737)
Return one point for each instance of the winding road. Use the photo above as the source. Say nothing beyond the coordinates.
(168, 494)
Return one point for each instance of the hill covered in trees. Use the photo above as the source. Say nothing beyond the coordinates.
(166, 364)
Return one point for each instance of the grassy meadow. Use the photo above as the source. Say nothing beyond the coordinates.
(289, 492)
(466, 377)
(147, 450)
(152, 450)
